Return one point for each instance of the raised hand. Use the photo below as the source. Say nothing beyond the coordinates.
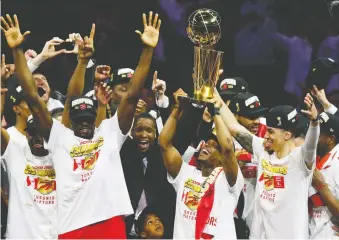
(321, 96)
(178, 93)
(103, 93)
(102, 72)
(49, 50)
(311, 112)
(77, 40)
(30, 54)
(12, 31)
(6, 71)
(141, 107)
(158, 85)
(150, 36)
(86, 48)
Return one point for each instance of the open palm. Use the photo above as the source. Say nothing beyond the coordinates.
(150, 36)
(12, 31)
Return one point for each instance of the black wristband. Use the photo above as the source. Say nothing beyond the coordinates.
(214, 111)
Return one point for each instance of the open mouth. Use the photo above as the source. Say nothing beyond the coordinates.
(143, 144)
(204, 151)
(158, 229)
(84, 131)
(37, 145)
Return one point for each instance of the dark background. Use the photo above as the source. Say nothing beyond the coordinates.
(117, 44)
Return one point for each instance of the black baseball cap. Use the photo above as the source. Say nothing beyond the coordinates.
(14, 95)
(119, 76)
(320, 73)
(247, 105)
(329, 124)
(302, 124)
(230, 87)
(82, 107)
(283, 117)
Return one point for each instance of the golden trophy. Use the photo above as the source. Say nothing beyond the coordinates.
(204, 31)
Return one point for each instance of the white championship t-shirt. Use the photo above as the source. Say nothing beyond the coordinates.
(249, 171)
(320, 222)
(187, 185)
(18, 136)
(281, 196)
(91, 183)
(32, 208)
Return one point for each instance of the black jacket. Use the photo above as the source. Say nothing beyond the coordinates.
(159, 192)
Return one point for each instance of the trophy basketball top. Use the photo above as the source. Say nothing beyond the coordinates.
(204, 27)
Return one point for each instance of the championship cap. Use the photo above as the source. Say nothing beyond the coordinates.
(329, 124)
(229, 87)
(320, 73)
(302, 124)
(82, 107)
(247, 105)
(283, 117)
(119, 76)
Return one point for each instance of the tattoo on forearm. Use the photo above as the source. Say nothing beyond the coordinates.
(245, 140)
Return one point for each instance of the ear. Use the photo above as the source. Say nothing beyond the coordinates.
(288, 135)
(143, 235)
(331, 139)
(16, 109)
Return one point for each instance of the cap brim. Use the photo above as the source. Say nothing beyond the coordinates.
(228, 94)
(84, 114)
(258, 112)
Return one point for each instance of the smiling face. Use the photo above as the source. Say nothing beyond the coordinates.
(153, 228)
(251, 124)
(83, 127)
(41, 81)
(276, 138)
(210, 152)
(35, 140)
(144, 133)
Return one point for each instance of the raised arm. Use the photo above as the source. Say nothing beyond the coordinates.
(321, 97)
(171, 156)
(128, 103)
(103, 94)
(77, 82)
(229, 161)
(36, 105)
(240, 133)
(309, 148)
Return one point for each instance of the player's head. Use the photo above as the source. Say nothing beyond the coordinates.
(82, 113)
(149, 225)
(35, 139)
(210, 153)
(41, 82)
(144, 131)
(281, 127)
(329, 133)
(119, 83)
(247, 109)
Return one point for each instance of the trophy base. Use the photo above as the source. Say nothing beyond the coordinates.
(194, 102)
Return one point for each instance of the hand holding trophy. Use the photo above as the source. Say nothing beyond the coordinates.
(204, 31)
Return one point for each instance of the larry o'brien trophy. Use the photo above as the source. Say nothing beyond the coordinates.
(204, 31)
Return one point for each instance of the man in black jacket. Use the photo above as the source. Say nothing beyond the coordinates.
(145, 174)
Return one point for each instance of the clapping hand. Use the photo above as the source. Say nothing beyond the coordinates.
(12, 31)
(86, 47)
(150, 36)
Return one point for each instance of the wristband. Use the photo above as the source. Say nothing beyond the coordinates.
(315, 120)
(213, 111)
(321, 186)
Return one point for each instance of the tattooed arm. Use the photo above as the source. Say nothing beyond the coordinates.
(240, 133)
